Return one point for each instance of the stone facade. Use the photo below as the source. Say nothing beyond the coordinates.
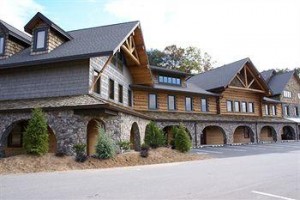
(70, 127)
(10, 47)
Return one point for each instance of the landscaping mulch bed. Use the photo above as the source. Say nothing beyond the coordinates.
(49, 162)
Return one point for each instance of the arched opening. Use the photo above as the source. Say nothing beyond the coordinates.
(213, 135)
(52, 141)
(268, 134)
(135, 138)
(288, 133)
(13, 138)
(169, 135)
(243, 134)
(92, 135)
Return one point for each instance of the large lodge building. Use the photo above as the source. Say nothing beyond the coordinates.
(101, 75)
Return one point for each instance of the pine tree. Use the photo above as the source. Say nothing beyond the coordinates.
(182, 140)
(154, 136)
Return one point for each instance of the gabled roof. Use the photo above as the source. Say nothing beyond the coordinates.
(168, 71)
(19, 35)
(278, 82)
(86, 43)
(221, 77)
(267, 75)
(39, 16)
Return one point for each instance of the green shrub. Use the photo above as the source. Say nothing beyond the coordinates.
(182, 140)
(36, 138)
(105, 147)
(124, 145)
(144, 150)
(80, 152)
(174, 133)
(154, 136)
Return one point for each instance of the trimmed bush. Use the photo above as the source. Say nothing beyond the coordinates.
(154, 136)
(105, 147)
(182, 140)
(36, 138)
(144, 150)
(80, 152)
(174, 133)
(124, 145)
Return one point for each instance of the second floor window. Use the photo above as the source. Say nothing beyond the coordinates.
(169, 80)
(204, 106)
(250, 107)
(188, 104)
(130, 98)
(152, 100)
(111, 89)
(296, 111)
(244, 107)
(267, 111)
(171, 102)
(1, 45)
(287, 94)
(120, 93)
(118, 60)
(97, 85)
(40, 36)
(236, 106)
(286, 110)
(273, 110)
(229, 106)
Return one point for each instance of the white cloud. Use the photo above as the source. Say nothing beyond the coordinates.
(17, 12)
(266, 31)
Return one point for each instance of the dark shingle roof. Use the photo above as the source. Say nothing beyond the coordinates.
(267, 75)
(278, 82)
(219, 77)
(168, 71)
(16, 33)
(97, 41)
(190, 88)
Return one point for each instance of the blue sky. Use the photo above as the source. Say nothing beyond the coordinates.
(267, 31)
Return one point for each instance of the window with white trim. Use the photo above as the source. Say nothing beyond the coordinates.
(287, 94)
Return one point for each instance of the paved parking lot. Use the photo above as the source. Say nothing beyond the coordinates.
(247, 149)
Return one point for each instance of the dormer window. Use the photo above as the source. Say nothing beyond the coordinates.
(169, 80)
(1, 45)
(40, 37)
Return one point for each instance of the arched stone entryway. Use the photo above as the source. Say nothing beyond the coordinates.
(92, 135)
(135, 138)
(243, 134)
(288, 133)
(268, 134)
(213, 135)
(52, 141)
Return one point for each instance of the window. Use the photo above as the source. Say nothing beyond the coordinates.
(171, 102)
(287, 94)
(251, 107)
(120, 93)
(130, 98)
(118, 60)
(188, 104)
(204, 106)
(298, 95)
(1, 45)
(273, 110)
(169, 80)
(236, 106)
(244, 107)
(97, 85)
(286, 111)
(40, 39)
(229, 106)
(111, 89)
(152, 101)
(267, 111)
(296, 111)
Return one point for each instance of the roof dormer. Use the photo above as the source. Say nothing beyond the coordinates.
(12, 40)
(46, 35)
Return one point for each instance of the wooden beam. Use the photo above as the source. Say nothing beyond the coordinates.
(127, 51)
(256, 79)
(245, 75)
(251, 83)
(238, 77)
(101, 71)
(247, 89)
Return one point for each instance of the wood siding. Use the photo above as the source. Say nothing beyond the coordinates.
(241, 96)
(141, 101)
